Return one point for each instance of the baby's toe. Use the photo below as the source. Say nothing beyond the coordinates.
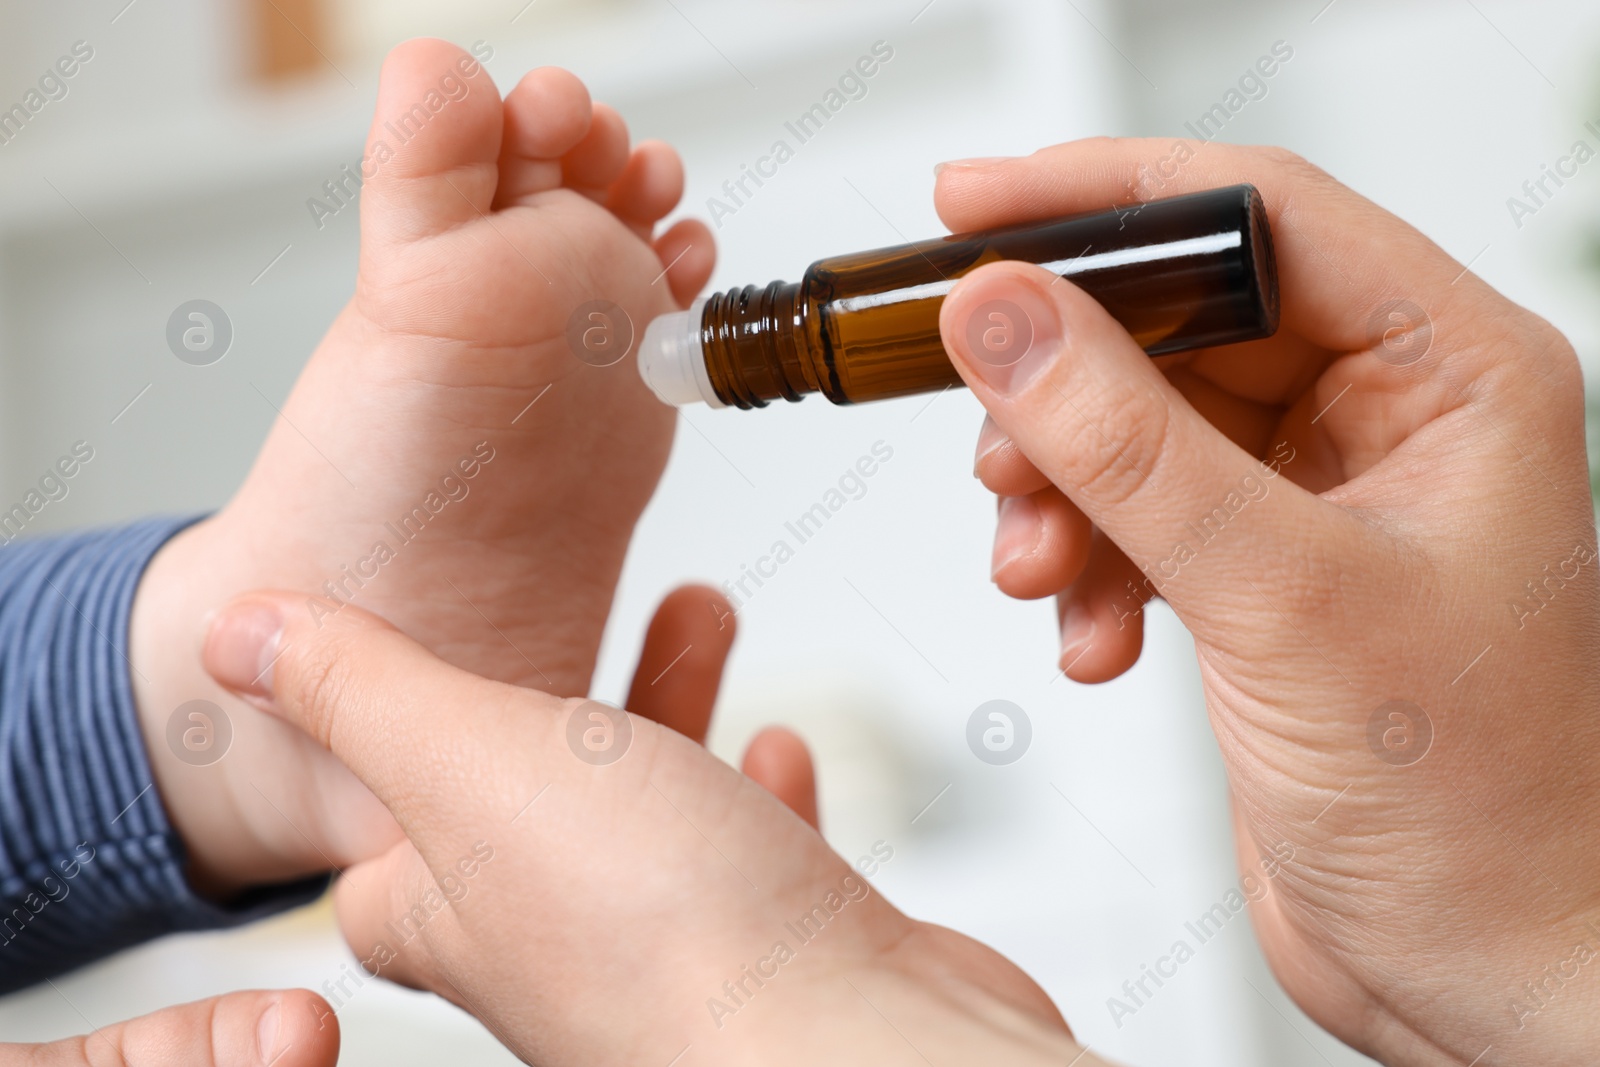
(651, 185)
(429, 164)
(688, 254)
(546, 116)
(597, 161)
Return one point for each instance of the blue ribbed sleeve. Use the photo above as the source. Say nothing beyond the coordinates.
(89, 863)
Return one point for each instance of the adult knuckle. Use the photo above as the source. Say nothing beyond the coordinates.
(1540, 362)
(1552, 350)
(322, 682)
(1276, 155)
(1310, 586)
(1114, 443)
(212, 1033)
(1515, 354)
(1291, 165)
(104, 1049)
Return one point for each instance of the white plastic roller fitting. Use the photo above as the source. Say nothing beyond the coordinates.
(671, 361)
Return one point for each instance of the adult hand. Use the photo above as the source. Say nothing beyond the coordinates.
(1377, 526)
(597, 888)
(250, 1029)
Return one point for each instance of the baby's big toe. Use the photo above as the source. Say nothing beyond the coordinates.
(430, 158)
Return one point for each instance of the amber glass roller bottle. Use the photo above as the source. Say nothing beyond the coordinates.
(1181, 273)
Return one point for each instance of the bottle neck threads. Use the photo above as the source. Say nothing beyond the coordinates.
(754, 342)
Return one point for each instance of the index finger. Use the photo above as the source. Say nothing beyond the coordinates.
(1340, 256)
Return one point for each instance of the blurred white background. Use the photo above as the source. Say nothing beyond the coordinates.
(176, 169)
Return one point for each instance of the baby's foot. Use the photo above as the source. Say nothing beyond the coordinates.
(447, 459)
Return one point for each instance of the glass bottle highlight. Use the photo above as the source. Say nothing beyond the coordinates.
(1180, 273)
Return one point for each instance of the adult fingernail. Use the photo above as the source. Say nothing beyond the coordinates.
(1078, 630)
(1016, 533)
(990, 438)
(267, 1033)
(1010, 330)
(969, 164)
(241, 647)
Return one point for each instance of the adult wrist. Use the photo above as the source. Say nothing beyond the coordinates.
(938, 1006)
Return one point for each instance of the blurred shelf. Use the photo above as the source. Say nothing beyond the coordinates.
(239, 137)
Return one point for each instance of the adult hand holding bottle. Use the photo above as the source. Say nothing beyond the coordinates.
(1377, 526)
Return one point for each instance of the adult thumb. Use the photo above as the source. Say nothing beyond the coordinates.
(1198, 515)
(389, 709)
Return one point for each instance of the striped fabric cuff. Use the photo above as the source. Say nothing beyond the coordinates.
(89, 863)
